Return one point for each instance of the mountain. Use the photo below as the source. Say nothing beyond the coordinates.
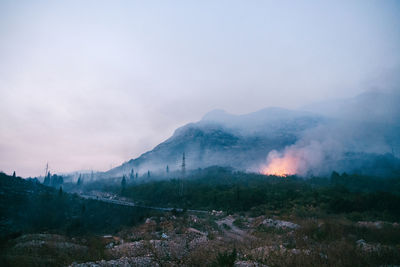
(219, 138)
(347, 135)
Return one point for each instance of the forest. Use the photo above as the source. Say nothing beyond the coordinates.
(217, 188)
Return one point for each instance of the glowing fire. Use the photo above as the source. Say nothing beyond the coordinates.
(281, 165)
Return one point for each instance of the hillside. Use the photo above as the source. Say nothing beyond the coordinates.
(355, 135)
(27, 206)
(239, 141)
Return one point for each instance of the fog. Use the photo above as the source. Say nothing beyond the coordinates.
(357, 131)
(89, 85)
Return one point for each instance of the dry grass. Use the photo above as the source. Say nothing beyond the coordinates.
(197, 241)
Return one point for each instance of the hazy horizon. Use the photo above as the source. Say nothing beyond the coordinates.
(89, 85)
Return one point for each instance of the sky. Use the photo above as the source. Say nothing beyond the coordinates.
(87, 85)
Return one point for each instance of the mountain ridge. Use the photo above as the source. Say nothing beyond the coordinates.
(244, 141)
(228, 142)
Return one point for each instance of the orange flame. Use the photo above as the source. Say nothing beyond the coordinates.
(281, 165)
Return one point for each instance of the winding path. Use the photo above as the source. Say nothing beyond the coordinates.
(132, 204)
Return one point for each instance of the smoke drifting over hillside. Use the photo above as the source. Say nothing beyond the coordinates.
(284, 142)
(299, 159)
(359, 128)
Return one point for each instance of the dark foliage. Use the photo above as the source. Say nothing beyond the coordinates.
(226, 259)
(223, 189)
(28, 206)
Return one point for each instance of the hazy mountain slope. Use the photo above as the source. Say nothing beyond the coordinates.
(348, 135)
(369, 122)
(239, 141)
(361, 130)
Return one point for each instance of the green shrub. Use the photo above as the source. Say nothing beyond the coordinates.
(226, 259)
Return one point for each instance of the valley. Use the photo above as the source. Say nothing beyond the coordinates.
(223, 218)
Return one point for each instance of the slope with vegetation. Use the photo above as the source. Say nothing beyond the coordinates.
(223, 189)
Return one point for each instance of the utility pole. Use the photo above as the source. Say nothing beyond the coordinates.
(183, 174)
(47, 169)
(183, 165)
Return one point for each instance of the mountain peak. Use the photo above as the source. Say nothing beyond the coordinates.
(215, 115)
(252, 120)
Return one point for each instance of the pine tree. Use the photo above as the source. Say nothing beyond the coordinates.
(14, 175)
(53, 180)
(80, 180)
(148, 174)
(47, 179)
(123, 182)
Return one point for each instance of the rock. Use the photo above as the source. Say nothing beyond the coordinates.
(280, 224)
(194, 218)
(124, 261)
(217, 212)
(150, 221)
(195, 231)
(110, 245)
(130, 249)
(295, 251)
(377, 225)
(361, 242)
(248, 264)
(368, 247)
(164, 235)
(323, 255)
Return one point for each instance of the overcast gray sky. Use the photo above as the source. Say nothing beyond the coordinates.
(90, 84)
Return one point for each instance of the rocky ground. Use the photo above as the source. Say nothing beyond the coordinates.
(221, 240)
